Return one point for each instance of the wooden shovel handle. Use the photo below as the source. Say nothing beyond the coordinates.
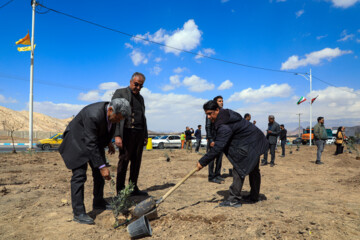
(175, 187)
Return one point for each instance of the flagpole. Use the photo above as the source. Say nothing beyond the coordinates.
(33, 4)
(310, 107)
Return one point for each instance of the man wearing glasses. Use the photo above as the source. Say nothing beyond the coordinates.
(131, 134)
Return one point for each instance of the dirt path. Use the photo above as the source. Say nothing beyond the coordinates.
(304, 200)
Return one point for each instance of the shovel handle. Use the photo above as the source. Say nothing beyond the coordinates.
(175, 187)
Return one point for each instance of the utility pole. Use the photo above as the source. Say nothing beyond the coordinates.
(33, 4)
(299, 122)
(310, 108)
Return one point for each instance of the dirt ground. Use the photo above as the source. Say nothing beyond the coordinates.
(303, 200)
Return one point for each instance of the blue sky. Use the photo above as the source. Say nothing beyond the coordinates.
(77, 63)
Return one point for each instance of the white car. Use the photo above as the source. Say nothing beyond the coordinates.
(167, 141)
(330, 140)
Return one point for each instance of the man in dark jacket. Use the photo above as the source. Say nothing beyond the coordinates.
(242, 143)
(283, 133)
(214, 166)
(320, 138)
(198, 138)
(85, 138)
(272, 134)
(131, 134)
(188, 137)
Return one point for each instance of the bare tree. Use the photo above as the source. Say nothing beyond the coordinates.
(12, 125)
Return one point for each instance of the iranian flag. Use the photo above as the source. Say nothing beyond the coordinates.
(301, 100)
(313, 100)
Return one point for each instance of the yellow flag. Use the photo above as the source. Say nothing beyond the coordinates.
(25, 40)
(24, 49)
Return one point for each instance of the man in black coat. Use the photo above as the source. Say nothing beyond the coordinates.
(188, 137)
(214, 166)
(131, 134)
(242, 143)
(272, 134)
(84, 141)
(283, 133)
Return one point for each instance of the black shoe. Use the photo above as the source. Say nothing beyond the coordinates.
(138, 192)
(264, 163)
(228, 203)
(249, 199)
(83, 218)
(215, 180)
(220, 178)
(319, 162)
(272, 164)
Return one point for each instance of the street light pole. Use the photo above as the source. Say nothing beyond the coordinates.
(310, 108)
(33, 4)
(299, 122)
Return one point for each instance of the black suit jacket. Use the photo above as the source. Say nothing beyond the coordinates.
(86, 136)
(126, 93)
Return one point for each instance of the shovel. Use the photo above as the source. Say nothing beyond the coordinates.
(148, 206)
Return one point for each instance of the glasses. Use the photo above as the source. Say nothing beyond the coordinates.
(138, 84)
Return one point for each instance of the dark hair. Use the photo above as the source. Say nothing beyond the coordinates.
(211, 105)
(138, 74)
(340, 129)
(246, 115)
(199, 126)
(217, 97)
(282, 125)
(319, 118)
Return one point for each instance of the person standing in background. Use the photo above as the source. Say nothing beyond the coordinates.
(182, 138)
(320, 138)
(198, 138)
(283, 133)
(339, 142)
(188, 133)
(271, 135)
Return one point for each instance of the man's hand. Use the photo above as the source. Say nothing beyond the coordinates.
(118, 142)
(269, 131)
(111, 149)
(212, 144)
(145, 141)
(105, 172)
(254, 122)
(198, 167)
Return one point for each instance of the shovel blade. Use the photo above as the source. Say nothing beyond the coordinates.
(144, 207)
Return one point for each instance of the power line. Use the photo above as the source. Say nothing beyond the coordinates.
(6, 3)
(164, 45)
(330, 84)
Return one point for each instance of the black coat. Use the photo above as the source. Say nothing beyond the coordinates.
(241, 141)
(275, 131)
(86, 136)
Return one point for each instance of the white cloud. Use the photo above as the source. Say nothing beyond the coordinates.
(158, 59)
(174, 83)
(179, 69)
(358, 40)
(345, 36)
(313, 58)
(128, 45)
(197, 84)
(156, 70)
(138, 57)
(257, 95)
(3, 99)
(187, 38)
(321, 37)
(225, 85)
(109, 86)
(205, 52)
(57, 110)
(344, 3)
(299, 13)
(90, 96)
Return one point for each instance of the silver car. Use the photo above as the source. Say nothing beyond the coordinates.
(168, 141)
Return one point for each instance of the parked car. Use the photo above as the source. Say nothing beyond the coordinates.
(52, 142)
(297, 140)
(330, 140)
(203, 141)
(167, 141)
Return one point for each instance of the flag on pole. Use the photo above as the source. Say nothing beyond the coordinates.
(313, 100)
(25, 40)
(24, 49)
(301, 100)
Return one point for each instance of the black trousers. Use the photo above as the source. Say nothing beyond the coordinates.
(78, 180)
(283, 143)
(339, 149)
(238, 181)
(215, 165)
(133, 144)
(272, 152)
(198, 144)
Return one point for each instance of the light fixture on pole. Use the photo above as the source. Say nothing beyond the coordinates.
(310, 80)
